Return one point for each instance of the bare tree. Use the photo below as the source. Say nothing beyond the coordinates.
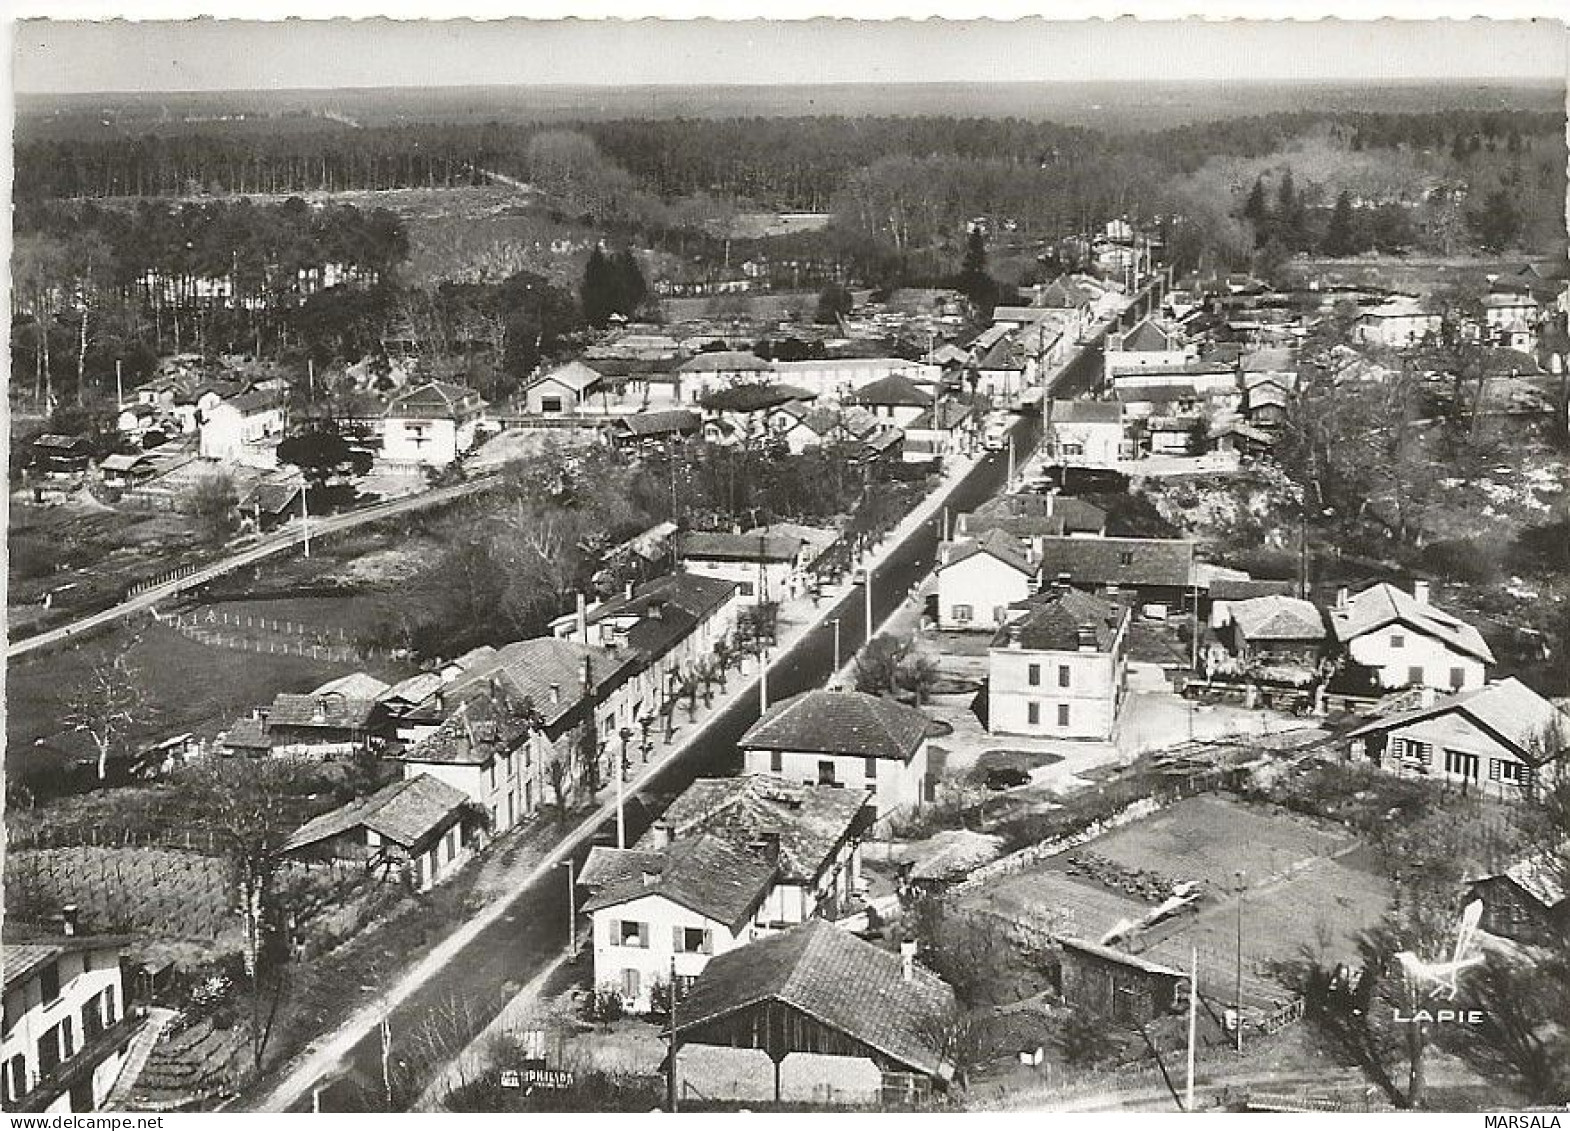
(107, 702)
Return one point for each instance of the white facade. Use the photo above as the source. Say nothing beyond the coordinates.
(770, 580)
(638, 943)
(1403, 657)
(57, 1012)
(427, 441)
(1451, 747)
(839, 377)
(227, 430)
(1057, 693)
(895, 785)
(975, 592)
(1087, 443)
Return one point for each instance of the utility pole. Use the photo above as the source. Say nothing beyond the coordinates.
(1237, 996)
(621, 821)
(867, 593)
(572, 909)
(119, 385)
(763, 676)
(305, 517)
(1193, 1021)
(670, 1059)
(836, 623)
(387, 1061)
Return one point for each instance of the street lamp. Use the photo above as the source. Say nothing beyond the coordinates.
(572, 909)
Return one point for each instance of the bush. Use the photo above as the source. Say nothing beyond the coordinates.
(1464, 560)
(604, 1005)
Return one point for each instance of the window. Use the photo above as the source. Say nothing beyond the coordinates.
(964, 612)
(550, 404)
(1411, 752)
(625, 932)
(1457, 678)
(1461, 764)
(826, 773)
(1126, 557)
(1033, 713)
(1033, 676)
(1414, 675)
(109, 1013)
(49, 980)
(1397, 640)
(92, 1017)
(630, 983)
(490, 772)
(1501, 769)
(776, 761)
(67, 1038)
(15, 1078)
(1062, 714)
(692, 940)
(748, 589)
(1064, 675)
(872, 768)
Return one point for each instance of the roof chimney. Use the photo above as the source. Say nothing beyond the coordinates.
(70, 919)
(1343, 597)
(1087, 638)
(628, 591)
(1013, 637)
(320, 714)
(583, 618)
(555, 695)
(1052, 503)
(657, 609)
(767, 845)
(907, 959)
(661, 834)
(1425, 697)
(1420, 592)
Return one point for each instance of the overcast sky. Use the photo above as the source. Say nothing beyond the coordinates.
(58, 56)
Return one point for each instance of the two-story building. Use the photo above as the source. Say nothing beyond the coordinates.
(431, 425)
(67, 1027)
(1058, 667)
(1084, 433)
(1404, 640)
(1503, 739)
(238, 430)
(1160, 572)
(767, 567)
(844, 738)
(979, 578)
(1271, 629)
(665, 913)
(895, 399)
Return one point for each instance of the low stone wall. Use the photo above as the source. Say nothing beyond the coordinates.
(1025, 857)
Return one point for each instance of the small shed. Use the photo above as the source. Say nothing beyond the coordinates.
(1118, 985)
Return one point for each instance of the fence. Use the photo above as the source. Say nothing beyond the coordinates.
(277, 637)
(204, 842)
(162, 579)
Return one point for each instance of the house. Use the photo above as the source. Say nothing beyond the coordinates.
(417, 829)
(62, 455)
(1144, 345)
(818, 829)
(662, 426)
(768, 567)
(67, 1025)
(501, 729)
(1058, 667)
(1028, 516)
(137, 421)
(1117, 985)
(1398, 324)
(1084, 433)
(1158, 571)
(946, 429)
(670, 625)
(431, 425)
(815, 1015)
(563, 391)
(895, 399)
(840, 378)
(1403, 640)
(126, 469)
(1529, 901)
(1005, 370)
(978, 578)
(801, 425)
(741, 414)
(1503, 739)
(320, 726)
(1231, 436)
(236, 430)
(844, 738)
(1511, 319)
(1271, 630)
(1265, 399)
(668, 912)
(271, 502)
(704, 373)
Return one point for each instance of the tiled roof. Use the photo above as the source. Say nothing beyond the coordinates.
(667, 609)
(22, 959)
(713, 545)
(1084, 412)
(895, 389)
(754, 397)
(1542, 876)
(436, 399)
(724, 361)
(705, 874)
(1242, 589)
(331, 712)
(811, 821)
(942, 417)
(478, 729)
(355, 685)
(526, 670)
(606, 865)
(840, 722)
(415, 689)
(248, 733)
(1514, 712)
(575, 375)
(1147, 337)
(1277, 618)
(1121, 957)
(1119, 561)
(1052, 620)
(994, 543)
(1072, 513)
(1384, 604)
(404, 812)
(663, 422)
(837, 979)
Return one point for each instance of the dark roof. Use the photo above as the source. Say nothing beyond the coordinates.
(724, 360)
(942, 417)
(1146, 337)
(526, 670)
(436, 399)
(811, 821)
(479, 728)
(705, 874)
(272, 498)
(1230, 589)
(667, 609)
(404, 812)
(606, 865)
(994, 543)
(837, 979)
(840, 722)
(1054, 617)
(25, 954)
(753, 397)
(1072, 513)
(895, 389)
(715, 545)
(249, 733)
(1119, 561)
(1084, 412)
(330, 712)
(247, 404)
(664, 422)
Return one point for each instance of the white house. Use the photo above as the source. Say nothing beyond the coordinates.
(979, 578)
(839, 377)
(1058, 667)
(1145, 346)
(1404, 640)
(948, 428)
(705, 373)
(1085, 433)
(667, 912)
(1504, 739)
(844, 738)
(895, 399)
(432, 424)
(67, 1028)
(237, 429)
(1397, 324)
(768, 567)
(1511, 318)
(563, 390)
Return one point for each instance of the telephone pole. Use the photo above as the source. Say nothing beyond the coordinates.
(670, 1057)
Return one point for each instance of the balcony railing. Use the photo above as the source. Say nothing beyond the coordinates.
(98, 1048)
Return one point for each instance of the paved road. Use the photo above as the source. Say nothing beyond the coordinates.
(525, 934)
(275, 543)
